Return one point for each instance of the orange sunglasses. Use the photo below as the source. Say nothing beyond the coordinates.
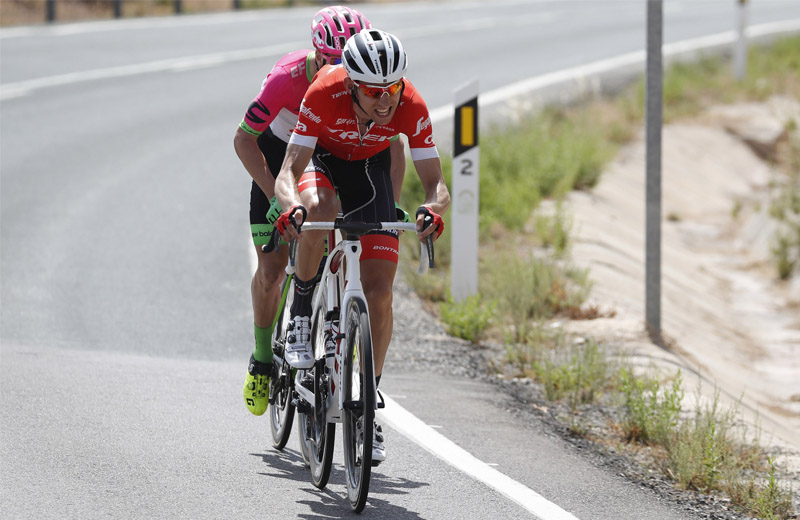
(376, 92)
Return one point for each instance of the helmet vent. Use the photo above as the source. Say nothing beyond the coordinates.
(362, 50)
(348, 58)
(382, 57)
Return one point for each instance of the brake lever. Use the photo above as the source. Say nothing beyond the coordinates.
(425, 255)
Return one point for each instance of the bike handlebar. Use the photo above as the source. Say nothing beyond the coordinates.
(361, 228)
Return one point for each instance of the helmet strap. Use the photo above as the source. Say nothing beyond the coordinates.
(354, 95)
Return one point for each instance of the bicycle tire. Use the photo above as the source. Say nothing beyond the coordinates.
(281, 385)
(303, 433)
(358, 386)
(322, 432)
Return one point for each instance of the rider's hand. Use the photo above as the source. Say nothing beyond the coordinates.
(429, 223)
(274, 211)
(273, 214)
(402, 215)
(290, 220)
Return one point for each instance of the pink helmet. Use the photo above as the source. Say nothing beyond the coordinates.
(332, 26)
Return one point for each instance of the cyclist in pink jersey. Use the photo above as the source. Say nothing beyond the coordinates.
(260, 143)
(348, 116)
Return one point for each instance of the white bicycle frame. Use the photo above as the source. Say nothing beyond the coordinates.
(347, 252)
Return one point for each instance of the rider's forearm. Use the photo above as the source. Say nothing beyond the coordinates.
(249, 153)
(294, 164)
(437, 197)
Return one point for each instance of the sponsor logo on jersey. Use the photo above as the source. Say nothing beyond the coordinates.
(309, 114)
(255, 111)
(345, 121)
(422, 124)
(343, 135)
(352, 135)
(340, 94)
(376, 138)
(298, 70)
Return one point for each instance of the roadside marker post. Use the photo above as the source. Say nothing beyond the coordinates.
(654, 94)
(464, 257)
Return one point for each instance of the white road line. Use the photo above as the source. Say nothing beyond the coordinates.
(582, 72)
(434, 442)
(426, 436)
(20, 88)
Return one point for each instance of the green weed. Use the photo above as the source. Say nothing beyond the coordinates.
(530, 290)
(467, 319)
(651, 414)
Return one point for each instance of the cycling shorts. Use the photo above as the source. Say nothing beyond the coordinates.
(365, 192)
(274, 150)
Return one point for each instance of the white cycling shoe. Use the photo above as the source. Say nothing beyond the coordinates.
(378, 449)
(298, 343)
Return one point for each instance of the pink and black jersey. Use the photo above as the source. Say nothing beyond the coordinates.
(278, 104)
(327, 117)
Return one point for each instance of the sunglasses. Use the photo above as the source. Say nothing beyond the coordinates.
(376, 92)
(332, 60)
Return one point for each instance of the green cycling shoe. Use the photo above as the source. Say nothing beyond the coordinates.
(256, 386)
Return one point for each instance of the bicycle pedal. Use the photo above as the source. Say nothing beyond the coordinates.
(302, 406)
(307, 383)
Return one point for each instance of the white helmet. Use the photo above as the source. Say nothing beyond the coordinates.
(375, 57)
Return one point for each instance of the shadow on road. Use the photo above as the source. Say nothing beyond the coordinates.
(284, 464)
(327, 503)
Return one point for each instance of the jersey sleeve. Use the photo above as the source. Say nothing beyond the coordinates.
(266, 105)
(309, 122)
(420, 130)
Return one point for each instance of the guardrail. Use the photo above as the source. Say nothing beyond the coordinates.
(51, 9)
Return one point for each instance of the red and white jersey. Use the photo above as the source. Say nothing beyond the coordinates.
(327, 116)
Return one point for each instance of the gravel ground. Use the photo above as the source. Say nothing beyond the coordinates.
(421, 344)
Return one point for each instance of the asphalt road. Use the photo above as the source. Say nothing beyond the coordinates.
(126, 321)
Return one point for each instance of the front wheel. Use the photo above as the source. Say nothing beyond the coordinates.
(322, 433)
(304, 434)
(358, 387)
(281, 409)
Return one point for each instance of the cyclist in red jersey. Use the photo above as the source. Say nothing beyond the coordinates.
(260, 143)
(347, 118)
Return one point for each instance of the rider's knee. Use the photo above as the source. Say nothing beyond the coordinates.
(268, 277)
(379, 295)
(321, 205)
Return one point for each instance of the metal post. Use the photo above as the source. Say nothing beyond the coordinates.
(653, 112)
(50, 10)
(237, 4)
(178, 6)
(740, 51)
(466, 159)
(117, 8)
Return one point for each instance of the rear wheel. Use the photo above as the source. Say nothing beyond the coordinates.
(281, 409)
(359, 403)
